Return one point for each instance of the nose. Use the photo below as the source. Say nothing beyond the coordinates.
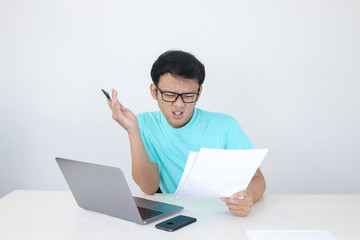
(179, 102)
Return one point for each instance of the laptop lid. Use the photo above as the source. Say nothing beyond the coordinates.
(104, 189)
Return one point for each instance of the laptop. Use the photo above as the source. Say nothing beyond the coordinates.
(104, 189)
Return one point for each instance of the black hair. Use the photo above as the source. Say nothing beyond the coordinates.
(178, 63)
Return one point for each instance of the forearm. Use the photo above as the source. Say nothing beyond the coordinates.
(144, 173)
(257, 186)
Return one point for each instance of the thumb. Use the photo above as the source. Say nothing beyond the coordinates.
(114, 94)
(240, 194)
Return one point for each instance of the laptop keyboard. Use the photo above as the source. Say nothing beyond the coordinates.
(147, 213)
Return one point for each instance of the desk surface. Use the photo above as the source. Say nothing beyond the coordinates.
(55, 215)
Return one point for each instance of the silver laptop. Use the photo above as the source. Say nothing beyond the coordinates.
(104, 189)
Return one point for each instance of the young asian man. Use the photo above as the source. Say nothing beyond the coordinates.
(161, 141)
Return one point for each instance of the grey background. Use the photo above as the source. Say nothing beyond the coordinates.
(288, 71)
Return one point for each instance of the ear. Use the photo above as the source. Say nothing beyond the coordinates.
(200, 92)
(153, 91)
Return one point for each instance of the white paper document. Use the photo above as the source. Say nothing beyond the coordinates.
(290, 235)
(216, 173)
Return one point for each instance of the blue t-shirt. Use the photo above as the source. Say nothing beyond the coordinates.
(169, 147)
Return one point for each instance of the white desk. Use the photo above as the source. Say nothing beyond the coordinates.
(55, 215)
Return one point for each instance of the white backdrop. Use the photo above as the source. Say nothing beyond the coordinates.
(288, 71)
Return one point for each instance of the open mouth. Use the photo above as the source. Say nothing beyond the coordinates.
(178, 115)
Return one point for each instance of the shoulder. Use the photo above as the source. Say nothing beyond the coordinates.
(148, 119)
(216, 116)
(148, 115)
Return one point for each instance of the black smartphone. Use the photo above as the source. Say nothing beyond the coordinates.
(175, 223)
(106, 94)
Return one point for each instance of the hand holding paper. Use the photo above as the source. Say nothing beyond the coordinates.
(216, 173)
(240, 203)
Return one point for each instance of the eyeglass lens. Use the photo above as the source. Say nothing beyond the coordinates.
(172, 97)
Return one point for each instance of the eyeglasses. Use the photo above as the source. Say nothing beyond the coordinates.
(173, 96)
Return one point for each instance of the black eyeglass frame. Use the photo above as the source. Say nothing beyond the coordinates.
(178, 95)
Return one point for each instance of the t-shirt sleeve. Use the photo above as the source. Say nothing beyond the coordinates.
(236, 137)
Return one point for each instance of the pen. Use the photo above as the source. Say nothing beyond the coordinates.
(106, 94)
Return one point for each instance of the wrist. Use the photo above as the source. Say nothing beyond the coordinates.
(133, 131)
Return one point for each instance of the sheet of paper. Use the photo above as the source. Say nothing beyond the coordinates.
(290, 235)
(217, 173)
(189, 164)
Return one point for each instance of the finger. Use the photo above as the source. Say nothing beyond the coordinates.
(108, 100)
(232, 200)
(114, 97)
(239, 207)
(113, 93)
(240, 194)
(229, 200)
(241, 202)
(115, 100)
(240, 213)
(108, 95)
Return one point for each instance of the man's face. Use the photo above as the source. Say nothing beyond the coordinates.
(177, 113)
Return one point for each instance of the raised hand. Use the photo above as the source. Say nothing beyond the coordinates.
(122, 115)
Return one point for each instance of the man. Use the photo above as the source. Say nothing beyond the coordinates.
(161, 141)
